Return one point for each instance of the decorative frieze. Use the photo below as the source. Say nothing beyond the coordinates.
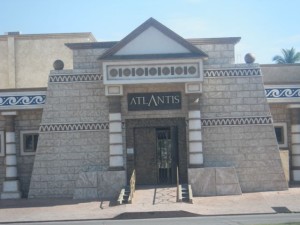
(282, 92)
(66, 78)
(238, 72)
(177, 70)
(70, 127)
(15, 100)
(161, 71)
(236, 121)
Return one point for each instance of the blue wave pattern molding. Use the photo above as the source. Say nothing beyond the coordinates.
(282, 92)
(236, 121)
(22, 100)
(232, 72)
(69, 127)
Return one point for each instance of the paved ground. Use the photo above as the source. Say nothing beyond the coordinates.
(149, 203)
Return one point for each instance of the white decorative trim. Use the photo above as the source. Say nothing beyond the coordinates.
(116, 160)
(282, 93)
(194, 114)
(196, 158)
(113, 90)
(236, 121)
(232, 72)
(295, 128)
(70, 78)
(22, 100)
(284, 126)
(2, 144)
(159, 71)
(293, 106)
(114, 116)
(22, 133)
(194, 87)
(9, 113)
(71, 127)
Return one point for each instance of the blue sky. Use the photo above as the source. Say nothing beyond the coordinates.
(265, 26)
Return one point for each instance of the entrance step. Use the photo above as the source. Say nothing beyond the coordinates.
(155, 195)
(124, 196)
(185, 193)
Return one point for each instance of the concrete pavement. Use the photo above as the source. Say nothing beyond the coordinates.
(149, 203)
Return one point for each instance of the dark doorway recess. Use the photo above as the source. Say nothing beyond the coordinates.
(158, 148)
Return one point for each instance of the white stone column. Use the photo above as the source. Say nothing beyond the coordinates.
(11, 189)
(295, 154)
(195, 139)
(195, 132)
(115, 141)
(116, 155)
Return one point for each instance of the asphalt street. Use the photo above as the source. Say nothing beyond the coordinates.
(266, 219)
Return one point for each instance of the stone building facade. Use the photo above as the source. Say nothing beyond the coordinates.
(152, 102)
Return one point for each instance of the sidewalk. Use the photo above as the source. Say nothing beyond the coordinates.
(147, 206)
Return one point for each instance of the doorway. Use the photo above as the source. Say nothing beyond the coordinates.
(155, 148)
(156, 157)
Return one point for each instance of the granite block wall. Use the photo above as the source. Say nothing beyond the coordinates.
(73, 135)
(251, 146)
(219, 54)
(26, 120)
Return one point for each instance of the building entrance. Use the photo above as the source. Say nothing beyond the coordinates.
(155, 148)
(156, 157)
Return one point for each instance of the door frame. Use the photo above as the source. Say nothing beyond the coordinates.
(179, 122)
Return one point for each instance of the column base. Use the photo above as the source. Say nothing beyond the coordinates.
(11, 190)
(10, 195)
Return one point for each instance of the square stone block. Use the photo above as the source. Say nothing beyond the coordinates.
(226, 175)
(110, 183)
(228, 189)
(203, 181)
(87, 180)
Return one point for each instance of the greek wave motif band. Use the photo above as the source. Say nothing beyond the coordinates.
(65, 78)
(242, 72)
(68, 127)
(6, 101)
(282, 92)
(236, 121)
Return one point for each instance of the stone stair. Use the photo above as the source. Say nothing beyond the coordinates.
(124, 196)
(185, 193)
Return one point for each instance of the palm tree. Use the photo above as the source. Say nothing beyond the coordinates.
(289, 56)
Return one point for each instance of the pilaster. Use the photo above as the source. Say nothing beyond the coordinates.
(295, 131)
(116, 156)
(11, 189)
(195, 133)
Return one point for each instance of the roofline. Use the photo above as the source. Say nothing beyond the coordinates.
(280, 65)
(221, 40)
(154, 56)
(160, 27)
(51, 35)
(91, 45)
(23, 89)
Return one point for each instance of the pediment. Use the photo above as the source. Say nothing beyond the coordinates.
(152, 40)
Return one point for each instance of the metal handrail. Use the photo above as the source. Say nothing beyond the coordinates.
(132, 185)
(179, 197)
